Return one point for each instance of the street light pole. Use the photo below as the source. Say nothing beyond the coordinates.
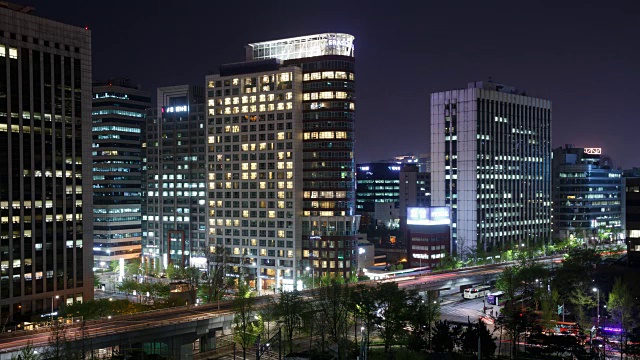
(56, 297)
(597, 291)
(313, 284)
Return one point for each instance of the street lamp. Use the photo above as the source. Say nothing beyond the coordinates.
(597, 291)
(56, 297)
(313, 283)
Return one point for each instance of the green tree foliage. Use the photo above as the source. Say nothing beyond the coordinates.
(392, 312)
(247, 325)
(290, 308)
(469, 340)
(216, 283)
(423, 315)
(128, 286)
(132, 268)
(623, 308)
(333, 303)
(364, 304)
(58, 347)
(27, 353)
(444, 337)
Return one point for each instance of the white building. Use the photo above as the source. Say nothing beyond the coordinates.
(491, 163)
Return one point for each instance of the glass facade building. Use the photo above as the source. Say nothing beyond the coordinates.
(175, 219)
(377, 182)
(587, 194)
(45, 179)
(119, 126)
(491, 163)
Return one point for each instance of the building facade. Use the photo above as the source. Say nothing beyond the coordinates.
(255, 163)
(491, 163)
(415, 188)
(119, 127)
(428, 235)
(176, 209)
(632, 220)
(45, 181)
(280, 129)
(587, 194)
(377, 182)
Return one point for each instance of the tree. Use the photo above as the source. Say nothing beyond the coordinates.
(27, 353)
(424, 313)
(469, 340)
(391, 316)
(290, 308)
(132, 268)
(128, 286)
(58, 344)
(333, 304)
(444, 337)
(621, 304)
(96, 280)
(216, 283)
(364, 305)
(247, 326)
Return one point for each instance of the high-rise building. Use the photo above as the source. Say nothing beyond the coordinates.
(491, 163)
(281, 170)
(45, 147)
(415, 189)
(174, 231)
(119, 126)
(587, 194)
(377, 182)
(631, 215)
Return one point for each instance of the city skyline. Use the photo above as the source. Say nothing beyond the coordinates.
(574, 56)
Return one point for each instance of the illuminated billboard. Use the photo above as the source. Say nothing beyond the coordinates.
(593, 151)
(436, 215)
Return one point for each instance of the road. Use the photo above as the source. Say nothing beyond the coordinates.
(128, 323)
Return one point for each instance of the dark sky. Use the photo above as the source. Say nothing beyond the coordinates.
(583, 55)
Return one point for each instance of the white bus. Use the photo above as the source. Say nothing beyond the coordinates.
(476, 292)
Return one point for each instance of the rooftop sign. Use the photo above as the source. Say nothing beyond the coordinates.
(593, 151)
(436, 215)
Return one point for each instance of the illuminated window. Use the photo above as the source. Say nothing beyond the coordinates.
(3, 51)
(314, 96)
(245, 109)
(227, 101)
(288, 96)
(289, 106)
(235, 82)
(253, 108)
(341, 95)
(280, 106)
(306, 96)
(263, 97)
(271, 214)
(265, 79)
(341, 134)
(13, 53)
(285, 77)
(325, 135)
(263, 107)
(271, 107)
(316, 76)
(236, 101)
(211, 84)
(245, 99)
(341, 75)
(305, 77)
(327, 75)
(252, 99)
(271, 97)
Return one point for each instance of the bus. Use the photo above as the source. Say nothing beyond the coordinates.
(476, 292)
(496, 298)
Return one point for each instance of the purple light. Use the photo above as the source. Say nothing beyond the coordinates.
(612, 329)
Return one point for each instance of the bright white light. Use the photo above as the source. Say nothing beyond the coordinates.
(307, 268)
(595, 289)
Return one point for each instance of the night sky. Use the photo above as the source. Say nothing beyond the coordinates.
(582, 55)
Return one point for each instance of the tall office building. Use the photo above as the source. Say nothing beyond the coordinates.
(377, 182)
(45, 138)
(175, 218)
(491, 163)
(415, 188)
(281, 170)
(587, 194)
(119, 111)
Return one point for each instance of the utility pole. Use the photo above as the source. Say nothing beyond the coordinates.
(479, 341)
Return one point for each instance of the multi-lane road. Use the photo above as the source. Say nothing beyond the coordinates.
(121, 325)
